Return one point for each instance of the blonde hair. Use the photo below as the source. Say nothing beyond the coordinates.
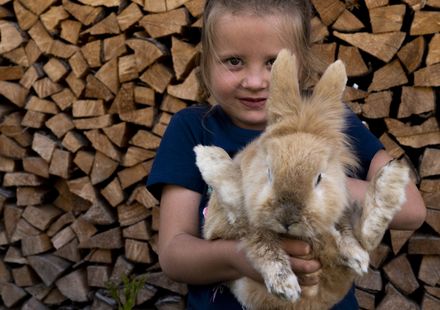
(294, 14)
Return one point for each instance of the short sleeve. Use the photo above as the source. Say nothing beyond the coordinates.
(365, 143)
(175, 159)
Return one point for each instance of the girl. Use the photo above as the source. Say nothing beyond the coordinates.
(241, 39)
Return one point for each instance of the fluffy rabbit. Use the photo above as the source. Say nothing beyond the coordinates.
(290, 181)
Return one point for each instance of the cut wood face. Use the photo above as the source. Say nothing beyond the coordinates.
(87, 90)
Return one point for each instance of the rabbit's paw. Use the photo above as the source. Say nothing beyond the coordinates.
(384, 202)
(390, 185)
(357, 259)
(283, 284)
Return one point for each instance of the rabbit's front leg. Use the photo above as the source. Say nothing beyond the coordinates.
(385, 196)
(352, 254)
(265, 253)
(350, 251)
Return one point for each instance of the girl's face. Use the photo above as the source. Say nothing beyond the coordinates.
(245, 48)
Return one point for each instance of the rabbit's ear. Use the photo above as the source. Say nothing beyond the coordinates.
(327, 97)
(220, 172)
(331, 85)
(212, 162)
(284, 89)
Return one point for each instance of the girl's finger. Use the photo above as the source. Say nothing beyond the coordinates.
(295, 247)
(302, 266)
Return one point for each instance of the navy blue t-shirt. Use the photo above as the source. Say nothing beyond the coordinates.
(175, 164)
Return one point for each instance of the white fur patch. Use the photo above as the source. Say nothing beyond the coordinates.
(281, 281)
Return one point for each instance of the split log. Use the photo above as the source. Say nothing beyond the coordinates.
(383, 46)
(41, 217)
(24, 276)
(329, 11)
(110, 239)
(98, 275)
(388, 18)
(74, 286)
(137, 251)
(12, 294)
(48, 267)
(157, 25)
(411, 54)
(348, 22)
(394, 298)
(401, 275)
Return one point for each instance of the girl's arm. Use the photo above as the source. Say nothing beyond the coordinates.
(185, 257)
(413, 212)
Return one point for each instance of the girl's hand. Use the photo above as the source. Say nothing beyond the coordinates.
(305, 268)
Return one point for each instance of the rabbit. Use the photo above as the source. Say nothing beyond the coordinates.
(290, 182)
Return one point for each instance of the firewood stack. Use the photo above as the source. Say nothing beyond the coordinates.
(87, 88)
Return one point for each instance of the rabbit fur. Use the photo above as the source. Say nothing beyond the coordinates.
(291, 182)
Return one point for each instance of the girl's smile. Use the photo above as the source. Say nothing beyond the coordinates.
(240, 68)
(253, 103)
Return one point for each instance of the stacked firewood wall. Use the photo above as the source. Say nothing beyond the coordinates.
(87, 88)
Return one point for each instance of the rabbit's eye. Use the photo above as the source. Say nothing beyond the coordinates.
(318, 179)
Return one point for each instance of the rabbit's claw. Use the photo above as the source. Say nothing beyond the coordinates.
(353, 255)
(284, 285)
(358, 260)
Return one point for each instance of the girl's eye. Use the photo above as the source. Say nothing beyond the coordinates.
(234, 61)
(270, 63)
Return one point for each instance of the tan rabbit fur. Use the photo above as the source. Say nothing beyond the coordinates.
(291, 181)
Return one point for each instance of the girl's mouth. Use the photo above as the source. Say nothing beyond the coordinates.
(253, 103)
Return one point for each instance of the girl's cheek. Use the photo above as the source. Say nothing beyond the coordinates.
(226, 79)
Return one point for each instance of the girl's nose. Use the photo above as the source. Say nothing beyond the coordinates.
(256, 79)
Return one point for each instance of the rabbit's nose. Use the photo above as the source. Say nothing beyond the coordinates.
(289, 221)
(295, 229)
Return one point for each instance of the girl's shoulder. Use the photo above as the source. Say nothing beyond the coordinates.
(363, 142)
(356, 127)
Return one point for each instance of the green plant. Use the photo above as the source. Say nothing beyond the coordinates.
(125, 293)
